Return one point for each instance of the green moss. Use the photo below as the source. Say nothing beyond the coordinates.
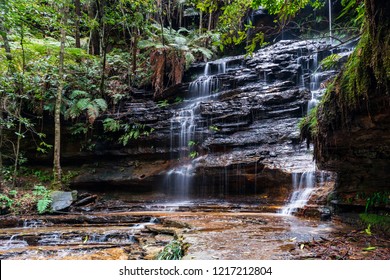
(355, 80)
(308, 125)
(378, 222)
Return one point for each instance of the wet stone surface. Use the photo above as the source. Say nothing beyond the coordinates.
(212, 231)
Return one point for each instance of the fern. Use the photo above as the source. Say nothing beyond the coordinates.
(92, 112)
(175, 250)
(83, 103)
(330, 61)
(110, 124)
(101, 104)
(78, 93)
(42, 197)
(43, 205)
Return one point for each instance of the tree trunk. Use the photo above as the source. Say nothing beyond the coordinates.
(200, 22)
(3, 32)
(210, 20)
(94, 41)
(134, 60)
(103, 43)
(57, 172)
(17, 147)
(77, 22)
(19, 88)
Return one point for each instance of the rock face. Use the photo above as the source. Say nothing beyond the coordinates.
(359, 152)
(244, 135)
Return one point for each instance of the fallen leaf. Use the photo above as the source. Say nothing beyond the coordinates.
(302, 246)
(369, 249)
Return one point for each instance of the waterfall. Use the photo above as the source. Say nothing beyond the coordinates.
(304, 183)
(183, 129)
(303, 186)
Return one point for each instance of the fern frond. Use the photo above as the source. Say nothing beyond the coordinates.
(93, 113)
(78, 94)
(83, 103)
(42, 205)
(204, 51)
(101, 104)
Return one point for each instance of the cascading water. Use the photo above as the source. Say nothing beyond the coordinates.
(305, 183)
(303, 186)
(183, 128)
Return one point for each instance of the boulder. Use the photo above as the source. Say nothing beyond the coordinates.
(61, 200)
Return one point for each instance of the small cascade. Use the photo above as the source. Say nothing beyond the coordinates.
(303, 186)
(33, 223)
(183, 128)
(208, 83)
(13, 242)
(315, 85)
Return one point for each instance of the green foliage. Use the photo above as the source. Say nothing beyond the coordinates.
(193, 154)
(231, 23)
(175, 250)
(354, 11)
(178, 100)
(42, 197)
(376, 222)
(112, 125)
(214, 128)
(25, 202)
(5, 202)
(368, 230)
(330, 61)
(191, 143)
(286, 9)
(80, 101)
(41, 175)
(134, 131)
(68, 176)
(376, 199)
(308, 125)
(163, 103)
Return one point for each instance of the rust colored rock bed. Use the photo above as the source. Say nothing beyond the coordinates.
(211, 231)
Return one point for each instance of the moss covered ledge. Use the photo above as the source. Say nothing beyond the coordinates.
(351, 126)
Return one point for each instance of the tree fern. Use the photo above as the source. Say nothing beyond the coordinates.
(101, 104)
(83, 103)
(92, 113)
(77, 94)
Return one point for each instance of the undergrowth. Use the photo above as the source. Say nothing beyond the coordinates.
(25, 202)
